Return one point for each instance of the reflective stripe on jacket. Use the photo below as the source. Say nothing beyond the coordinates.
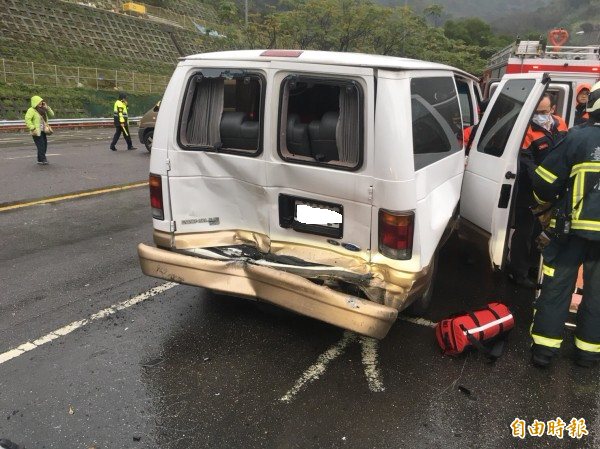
(574, 167)
(536, 146)
(538, 140)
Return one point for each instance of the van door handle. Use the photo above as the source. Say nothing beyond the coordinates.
(510, 175)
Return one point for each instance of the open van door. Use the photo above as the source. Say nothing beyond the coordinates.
(491, 171)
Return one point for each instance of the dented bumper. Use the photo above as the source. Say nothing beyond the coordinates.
(287, 290)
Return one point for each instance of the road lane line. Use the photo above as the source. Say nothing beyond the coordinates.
(30, 156)
(419, 321)
(318, 368)
(369, 359)
(55, 199)
(65, 330)
(369, 347)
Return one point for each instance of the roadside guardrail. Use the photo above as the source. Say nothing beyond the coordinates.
(12, 125)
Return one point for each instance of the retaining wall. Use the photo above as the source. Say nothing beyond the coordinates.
(49, 24)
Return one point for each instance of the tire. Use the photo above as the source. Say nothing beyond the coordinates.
(148, 138)
(420, 306)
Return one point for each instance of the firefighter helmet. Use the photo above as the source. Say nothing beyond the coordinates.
(593, 104)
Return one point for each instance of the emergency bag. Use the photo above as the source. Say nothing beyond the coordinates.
(485, 329)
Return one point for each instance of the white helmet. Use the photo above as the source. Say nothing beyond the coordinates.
(593, 103)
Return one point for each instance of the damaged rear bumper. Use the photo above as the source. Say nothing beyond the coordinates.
(287, 290)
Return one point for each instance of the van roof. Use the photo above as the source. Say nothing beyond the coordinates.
(328, 57)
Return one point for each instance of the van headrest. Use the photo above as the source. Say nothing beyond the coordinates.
(322, 137)
(239, 132)
(297, 136)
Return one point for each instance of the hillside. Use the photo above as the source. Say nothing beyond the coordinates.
(573, 15)
(78, 55)
(58, 32)
(517, 17)
(488, 10)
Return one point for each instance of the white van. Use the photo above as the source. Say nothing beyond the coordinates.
(321, 182)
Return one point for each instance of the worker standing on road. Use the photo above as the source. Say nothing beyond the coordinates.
(571, 172)
(36, 119)
(544, 132)
(121, 121)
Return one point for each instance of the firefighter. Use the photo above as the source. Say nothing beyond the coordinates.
(544, 132)
(571, 172)
(581, 98)
(121, 123)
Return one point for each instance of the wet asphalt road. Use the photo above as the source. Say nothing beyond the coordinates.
(178, 367)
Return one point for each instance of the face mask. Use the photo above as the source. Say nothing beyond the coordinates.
(540, 119)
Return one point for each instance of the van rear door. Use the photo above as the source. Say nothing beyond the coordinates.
(216, 171)
(491, 171)
(318, 166)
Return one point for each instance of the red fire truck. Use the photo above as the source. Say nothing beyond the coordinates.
(535, 56)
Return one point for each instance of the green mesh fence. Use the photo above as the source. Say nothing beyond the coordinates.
(70, 102)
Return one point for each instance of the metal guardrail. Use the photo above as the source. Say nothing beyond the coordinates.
(40, 74)
(7, 125)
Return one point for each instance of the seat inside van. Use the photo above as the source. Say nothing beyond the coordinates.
(237, 131)
(297, 136)
(322, 137)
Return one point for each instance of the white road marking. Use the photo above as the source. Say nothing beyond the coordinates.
(11, 139)
(315, 371)
(419, 321)
(30, 346)
(369, 348)
(369, 360)
(30, 156)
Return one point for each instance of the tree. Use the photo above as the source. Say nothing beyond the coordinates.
(335, 25)
(472, 31)
(435, 12)
(228, 11)
(362, 26)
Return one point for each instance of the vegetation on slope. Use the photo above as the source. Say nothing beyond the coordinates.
(69, 103)
(337, 25)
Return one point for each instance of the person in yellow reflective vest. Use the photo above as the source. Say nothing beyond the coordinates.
(36, 120)
(571, 173)
(121, 123)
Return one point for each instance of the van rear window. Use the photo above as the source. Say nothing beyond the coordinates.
(222, 111)
(320, 122)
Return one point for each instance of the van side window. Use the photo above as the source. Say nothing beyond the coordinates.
(503, 116)
(436, 119)
(321, 122)
(222, 111)
(466, 103)
(565, 97)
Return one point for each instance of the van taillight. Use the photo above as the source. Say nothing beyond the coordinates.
(156, 198)
(396, 231)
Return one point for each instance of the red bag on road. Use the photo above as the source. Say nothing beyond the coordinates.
(485, 329)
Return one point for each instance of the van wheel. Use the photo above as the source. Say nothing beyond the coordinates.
(148, 138)
(421, 305)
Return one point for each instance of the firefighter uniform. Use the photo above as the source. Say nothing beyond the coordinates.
(121, 122)
(572, 173)
(537, 144)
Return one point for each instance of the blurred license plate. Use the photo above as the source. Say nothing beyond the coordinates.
(312, 213)
(311, 216)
